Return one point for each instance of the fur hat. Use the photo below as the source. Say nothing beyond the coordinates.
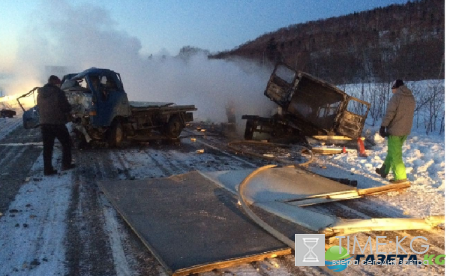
(54, 79)
(397, 84)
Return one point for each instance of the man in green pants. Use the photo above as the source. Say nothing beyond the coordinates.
(396, 125)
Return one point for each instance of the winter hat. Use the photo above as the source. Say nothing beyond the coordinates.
(397, 84)
(54, 79)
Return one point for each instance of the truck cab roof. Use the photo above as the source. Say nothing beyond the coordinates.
(95, 71)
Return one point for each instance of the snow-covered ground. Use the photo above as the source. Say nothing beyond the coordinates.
(43, 251)
(424, 157)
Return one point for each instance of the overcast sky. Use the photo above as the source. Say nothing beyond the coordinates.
(215, 25)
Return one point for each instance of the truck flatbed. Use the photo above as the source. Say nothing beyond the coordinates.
(160, 106)
(134, 104)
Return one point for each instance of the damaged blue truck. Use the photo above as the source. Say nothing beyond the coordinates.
(102, 113)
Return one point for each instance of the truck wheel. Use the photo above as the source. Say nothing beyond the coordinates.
(248, 135)
(115, 135)
(173, 127)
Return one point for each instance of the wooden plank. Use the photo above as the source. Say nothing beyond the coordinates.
(350, 226)
(332, 137)
(384, 189)
(234, 262)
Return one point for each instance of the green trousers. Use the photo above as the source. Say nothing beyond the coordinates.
(394, 158)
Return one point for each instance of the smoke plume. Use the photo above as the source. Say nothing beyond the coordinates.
(80, 37)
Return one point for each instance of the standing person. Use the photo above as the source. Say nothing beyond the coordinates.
(53, 113)
(396, 125)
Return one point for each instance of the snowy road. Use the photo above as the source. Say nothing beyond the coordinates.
(63, 225)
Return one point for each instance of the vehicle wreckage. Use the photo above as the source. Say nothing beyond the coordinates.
(101, 111)
(308, 106)
(7, 113)
(193, 222)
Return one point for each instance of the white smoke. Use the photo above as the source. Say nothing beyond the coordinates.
(80, 37)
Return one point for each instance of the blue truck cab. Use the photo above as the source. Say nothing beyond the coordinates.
(105, 90)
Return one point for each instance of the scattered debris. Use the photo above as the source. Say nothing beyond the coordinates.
(339, 226)
(286, 154)
(327, 150)
(361, 148)
(35, 262)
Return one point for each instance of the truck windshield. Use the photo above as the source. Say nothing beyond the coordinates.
(357, 107)
(108, 83)
(285, 74)
(83, 83)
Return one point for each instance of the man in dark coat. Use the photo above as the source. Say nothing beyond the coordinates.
(54, 110)
(396, 125)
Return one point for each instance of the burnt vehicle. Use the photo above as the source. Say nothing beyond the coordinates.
(7, 113)
(101, 110)
(308, 106)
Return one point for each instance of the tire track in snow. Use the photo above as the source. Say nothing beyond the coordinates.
(89, 251)
(129, 255)
(14, 168)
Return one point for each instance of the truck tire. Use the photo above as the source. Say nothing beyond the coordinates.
(115, 134)
(174, 127)
(248, 135)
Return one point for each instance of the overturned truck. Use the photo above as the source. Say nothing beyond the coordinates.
(308, 106)
(101, 111)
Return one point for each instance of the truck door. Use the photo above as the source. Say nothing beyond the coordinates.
(281, 85)
(111, 100)
(352, 119)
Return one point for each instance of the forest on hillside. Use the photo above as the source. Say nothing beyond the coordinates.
(379, 45)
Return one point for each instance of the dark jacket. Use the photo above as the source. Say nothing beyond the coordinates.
(53, 105)
(400, 112)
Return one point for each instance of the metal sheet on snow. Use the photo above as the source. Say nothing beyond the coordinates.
(280, 184)
(189, 223)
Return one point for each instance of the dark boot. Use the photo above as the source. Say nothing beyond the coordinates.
(48, 139)
(400, 181)
(50, 172)
(381, 171)
(63, 136)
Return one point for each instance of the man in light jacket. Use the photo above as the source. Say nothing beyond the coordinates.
(396, 125)
(53, 113)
